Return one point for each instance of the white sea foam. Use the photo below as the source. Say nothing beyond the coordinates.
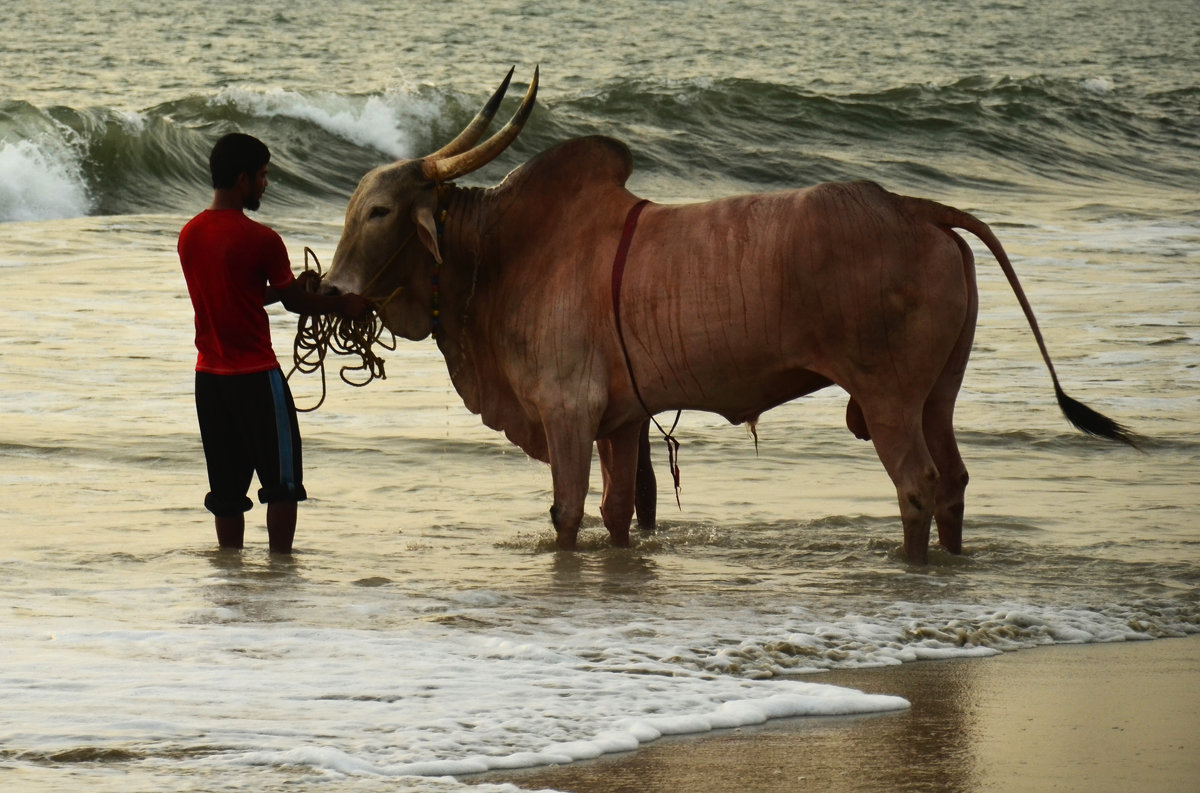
(41, 180)
(434, 700)
(424, 704)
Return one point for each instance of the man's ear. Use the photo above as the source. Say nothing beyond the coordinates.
(427, 227)
(244, 185)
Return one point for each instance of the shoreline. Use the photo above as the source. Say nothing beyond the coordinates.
(1097, 717)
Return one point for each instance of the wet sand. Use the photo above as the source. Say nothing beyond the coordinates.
(1111, 717)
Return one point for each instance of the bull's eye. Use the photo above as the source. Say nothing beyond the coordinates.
(379, 212)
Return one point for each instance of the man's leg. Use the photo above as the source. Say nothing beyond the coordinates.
(229, 467)
(280, 464)
(231, 531)
(281, 525)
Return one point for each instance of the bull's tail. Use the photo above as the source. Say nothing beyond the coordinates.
(1079, 414)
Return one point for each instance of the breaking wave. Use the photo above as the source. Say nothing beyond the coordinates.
(722, 135)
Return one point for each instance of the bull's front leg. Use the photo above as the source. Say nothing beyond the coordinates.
(570, 468)
(619, 461)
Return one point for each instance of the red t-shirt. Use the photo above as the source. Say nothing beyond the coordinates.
(228, 260)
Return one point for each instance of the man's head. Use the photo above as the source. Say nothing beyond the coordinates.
(238, 155)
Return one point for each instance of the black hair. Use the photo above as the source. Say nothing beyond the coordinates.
(234, 154)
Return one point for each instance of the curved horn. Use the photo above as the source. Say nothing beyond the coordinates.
(474, 131)
(446, 168)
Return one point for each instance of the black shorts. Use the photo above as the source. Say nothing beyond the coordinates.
(248, 424)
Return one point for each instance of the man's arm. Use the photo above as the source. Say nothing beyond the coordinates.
(299, 300)
(271, 295)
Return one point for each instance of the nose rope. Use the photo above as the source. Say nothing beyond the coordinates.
(317, 335)
(383, 269)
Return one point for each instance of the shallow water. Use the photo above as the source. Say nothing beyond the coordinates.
(426, 625)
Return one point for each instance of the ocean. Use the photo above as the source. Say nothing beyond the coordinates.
(426, 629)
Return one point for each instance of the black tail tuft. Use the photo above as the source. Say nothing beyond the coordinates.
(1093, 423)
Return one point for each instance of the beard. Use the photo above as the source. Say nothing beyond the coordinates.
(251, 202)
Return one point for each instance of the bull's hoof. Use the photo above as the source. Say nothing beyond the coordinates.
(567, 539)
(918, 557)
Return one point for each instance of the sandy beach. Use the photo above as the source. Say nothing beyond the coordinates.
(1096, 718)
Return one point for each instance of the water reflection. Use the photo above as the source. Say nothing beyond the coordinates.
(248, 588)
(610, 571)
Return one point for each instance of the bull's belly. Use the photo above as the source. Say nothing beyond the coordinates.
(737, 397)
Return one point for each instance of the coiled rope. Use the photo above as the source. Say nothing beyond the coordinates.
(317, 336)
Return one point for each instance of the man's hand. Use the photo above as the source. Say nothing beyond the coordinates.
(354, 307)
(309, 281)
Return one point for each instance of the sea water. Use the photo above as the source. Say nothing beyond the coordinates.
(426, 628)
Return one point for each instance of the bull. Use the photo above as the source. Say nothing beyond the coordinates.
(569, 311)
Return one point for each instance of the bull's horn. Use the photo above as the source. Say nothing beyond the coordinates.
(446, 168)
(474, 131)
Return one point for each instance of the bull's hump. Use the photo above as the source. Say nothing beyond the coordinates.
(595, 160)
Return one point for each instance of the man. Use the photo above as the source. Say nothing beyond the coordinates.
(234, 267)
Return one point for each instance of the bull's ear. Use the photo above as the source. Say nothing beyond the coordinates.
(427, 229)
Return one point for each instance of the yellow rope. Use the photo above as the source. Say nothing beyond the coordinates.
(316, 336)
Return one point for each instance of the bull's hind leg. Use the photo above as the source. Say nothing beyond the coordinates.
(949, 502)
(939, 421)
(900, 444)
(619, 463)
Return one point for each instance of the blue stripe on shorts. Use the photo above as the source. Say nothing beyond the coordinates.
(283, 431)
